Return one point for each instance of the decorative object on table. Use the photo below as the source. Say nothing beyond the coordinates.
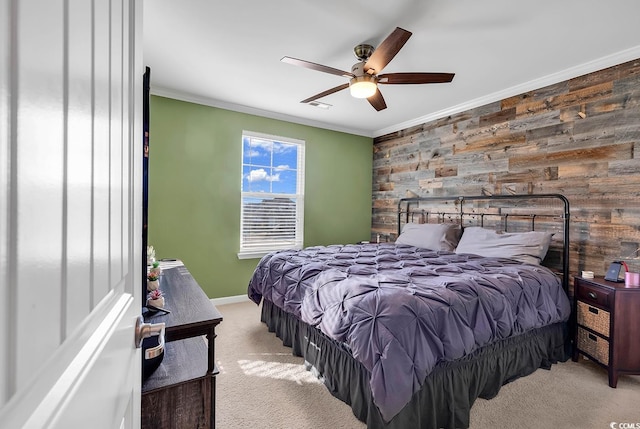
(588, 275)
(616, 272)
(155, 298)
(151, 255)
(631, 279)
(632, 274)
(156, 268)
(153, 279)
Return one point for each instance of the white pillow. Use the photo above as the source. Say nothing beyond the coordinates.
(526, 247)
(432, 236)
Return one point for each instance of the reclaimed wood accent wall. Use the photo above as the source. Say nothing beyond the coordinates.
(580, 138)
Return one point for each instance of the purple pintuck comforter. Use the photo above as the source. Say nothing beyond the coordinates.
(402, 309)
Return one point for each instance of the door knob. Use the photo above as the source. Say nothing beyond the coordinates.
(146, 330)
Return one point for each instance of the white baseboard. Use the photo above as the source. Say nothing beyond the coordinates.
(229, 300)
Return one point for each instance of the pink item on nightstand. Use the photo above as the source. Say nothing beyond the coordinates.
(631, 279)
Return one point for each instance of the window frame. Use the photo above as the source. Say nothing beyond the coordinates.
(257, 252)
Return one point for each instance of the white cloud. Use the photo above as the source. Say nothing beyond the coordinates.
(260, 174)
(277, 147)
(283, 147)
(281, 167)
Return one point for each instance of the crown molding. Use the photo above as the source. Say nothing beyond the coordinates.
(205, 101)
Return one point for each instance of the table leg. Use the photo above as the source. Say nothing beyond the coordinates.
(211, 371)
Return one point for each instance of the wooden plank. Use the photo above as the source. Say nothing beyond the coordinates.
(385, 203)
(626, 216)
(582, 170)
(624, 167)
(446, 171)
(482, 133)
(606, 202)
(544, 119)
(592, 79)
(498, 141)
(551, 130)
(560, 187)
(629, 69)
(627, 88)
(610, 231)
(559, 101)
(623, 184)
(485, 166)
(598, 125)
(498, 117)
(429, 184)
(609, 152)
(387, 186)
(629, 128)
(619, 101)
(536, 95)
(617, 72)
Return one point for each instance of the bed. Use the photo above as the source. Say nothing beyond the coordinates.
(410, 333)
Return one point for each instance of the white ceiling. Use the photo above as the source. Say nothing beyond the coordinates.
(227, 53)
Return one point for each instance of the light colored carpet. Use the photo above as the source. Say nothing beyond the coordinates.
(261, 385)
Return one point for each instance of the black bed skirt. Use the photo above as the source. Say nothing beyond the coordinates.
(448, 393)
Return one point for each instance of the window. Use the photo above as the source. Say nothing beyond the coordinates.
(272, 194)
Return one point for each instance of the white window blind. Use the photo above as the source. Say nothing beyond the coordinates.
(272, 199)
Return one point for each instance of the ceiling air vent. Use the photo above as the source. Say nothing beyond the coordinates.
(319, 105)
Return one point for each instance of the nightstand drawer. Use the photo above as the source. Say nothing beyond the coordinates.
(595, 295)
(594, 318)
(593, 345)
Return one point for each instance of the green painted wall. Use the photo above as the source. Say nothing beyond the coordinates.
(194, 188)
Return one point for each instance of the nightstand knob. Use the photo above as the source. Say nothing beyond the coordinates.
(592, 295)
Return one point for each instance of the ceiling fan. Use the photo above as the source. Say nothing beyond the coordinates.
(365, 75)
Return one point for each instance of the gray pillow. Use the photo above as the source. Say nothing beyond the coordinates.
(432, 236)
(526, 247)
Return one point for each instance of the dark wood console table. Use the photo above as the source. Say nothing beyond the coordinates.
(181, 393)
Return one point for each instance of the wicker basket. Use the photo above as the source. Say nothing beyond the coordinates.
(594, 318)
(596, 347)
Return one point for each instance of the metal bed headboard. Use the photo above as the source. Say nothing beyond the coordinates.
(405, 204)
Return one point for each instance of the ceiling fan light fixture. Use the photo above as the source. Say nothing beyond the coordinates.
(363, 86)
(366, 74)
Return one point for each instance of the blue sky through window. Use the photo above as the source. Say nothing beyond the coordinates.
(269, 166)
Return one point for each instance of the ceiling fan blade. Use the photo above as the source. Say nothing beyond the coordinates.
(388, 49)
(325, 93)
(377, 101)
(317, 67)
(409, 78)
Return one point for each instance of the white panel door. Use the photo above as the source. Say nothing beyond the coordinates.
(70, 213)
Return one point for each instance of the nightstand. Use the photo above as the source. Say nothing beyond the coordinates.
(608, 325)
